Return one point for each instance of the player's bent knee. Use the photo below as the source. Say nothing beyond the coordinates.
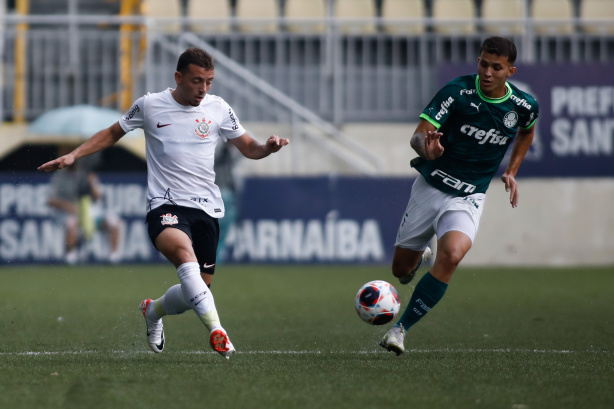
(451, 257)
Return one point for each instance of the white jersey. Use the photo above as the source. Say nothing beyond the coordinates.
(180, 145)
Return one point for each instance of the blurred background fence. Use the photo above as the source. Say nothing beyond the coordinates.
(346, 81)
(345, 60)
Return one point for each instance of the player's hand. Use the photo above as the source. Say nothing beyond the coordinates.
(512, 187)
(58, 163)
(275, 143)
(432, 145)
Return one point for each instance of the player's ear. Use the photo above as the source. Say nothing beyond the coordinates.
(177, 77)
(512, 71)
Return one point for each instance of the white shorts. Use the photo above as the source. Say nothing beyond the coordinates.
(432, 212)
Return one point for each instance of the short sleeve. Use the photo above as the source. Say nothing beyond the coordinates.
(135, 117)
(441, 106)
(532, 115)
(231, 127)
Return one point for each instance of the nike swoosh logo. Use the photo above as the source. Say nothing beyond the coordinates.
(208, 265)
(160, 346)
(162, 125)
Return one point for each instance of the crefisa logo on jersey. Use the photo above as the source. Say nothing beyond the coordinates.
(510, 119)
(202, 129)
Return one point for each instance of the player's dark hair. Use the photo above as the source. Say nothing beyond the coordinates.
(196, 56)
(500, 46)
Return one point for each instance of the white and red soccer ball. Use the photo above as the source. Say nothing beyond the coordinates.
(377, 302)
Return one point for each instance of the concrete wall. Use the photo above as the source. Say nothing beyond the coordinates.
(558, 221)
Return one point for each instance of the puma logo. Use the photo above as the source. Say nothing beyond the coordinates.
(476, 106)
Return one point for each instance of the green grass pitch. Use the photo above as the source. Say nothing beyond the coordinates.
(514, 338)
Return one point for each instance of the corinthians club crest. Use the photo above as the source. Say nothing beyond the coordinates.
(202, 129)
(168, 219)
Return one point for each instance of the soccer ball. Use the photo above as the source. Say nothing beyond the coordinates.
(377, 302)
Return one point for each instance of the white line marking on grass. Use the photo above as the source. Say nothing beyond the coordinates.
(307, 352)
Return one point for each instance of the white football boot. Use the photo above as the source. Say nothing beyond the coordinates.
(426, 256)
(394, 339)
(155, 329)
(221, 343)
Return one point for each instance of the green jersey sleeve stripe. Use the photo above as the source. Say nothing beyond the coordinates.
(532, 123)
(432, 121)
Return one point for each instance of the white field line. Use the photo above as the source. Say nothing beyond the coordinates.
(305, 352)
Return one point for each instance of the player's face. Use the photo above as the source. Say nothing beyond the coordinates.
(494, 70)
(193, 85)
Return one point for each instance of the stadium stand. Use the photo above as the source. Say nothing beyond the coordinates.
(305, 9)
(315, 70)
(596, 9)
(355, 9)
(494, 12)
(218, 10)
(549, 16)
(403, 9)
(262, 11)
(448, 16)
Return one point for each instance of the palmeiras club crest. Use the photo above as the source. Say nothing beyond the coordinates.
(510, 119)
(202, 129)
(169, 219)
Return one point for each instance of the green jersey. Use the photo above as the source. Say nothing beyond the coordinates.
(477, 131)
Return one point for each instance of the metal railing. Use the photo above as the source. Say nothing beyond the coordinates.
(338, 74)
(304, 122)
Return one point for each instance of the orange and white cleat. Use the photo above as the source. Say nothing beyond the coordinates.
(221, 343)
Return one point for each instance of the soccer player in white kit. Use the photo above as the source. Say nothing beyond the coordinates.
(182, 127)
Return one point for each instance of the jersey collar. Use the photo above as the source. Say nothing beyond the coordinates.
(178, 105)
(493, 100)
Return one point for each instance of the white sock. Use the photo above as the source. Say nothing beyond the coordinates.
(171, 303)
(198, 295)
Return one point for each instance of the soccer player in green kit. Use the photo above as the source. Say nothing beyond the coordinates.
(462, 137)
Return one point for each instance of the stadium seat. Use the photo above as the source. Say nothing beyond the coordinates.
(257, 9)
(403, 9)
(502, 10)
(544, 10)
(351, 9)
(163, 9)
(216, 9)
(597, 9)
(444, 11)
(301, 9)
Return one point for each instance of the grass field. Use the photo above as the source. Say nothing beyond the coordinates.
(500, 338)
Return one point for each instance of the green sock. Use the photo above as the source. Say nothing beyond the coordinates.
(428, 292)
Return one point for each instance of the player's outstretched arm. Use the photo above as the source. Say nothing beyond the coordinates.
(426, 141)
(101, 140)
(519, 150)
(252, 149)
